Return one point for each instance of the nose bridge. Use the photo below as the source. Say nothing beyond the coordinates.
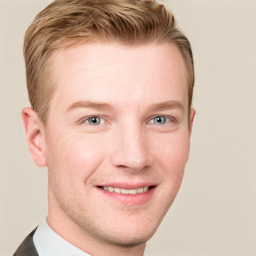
(131, 149)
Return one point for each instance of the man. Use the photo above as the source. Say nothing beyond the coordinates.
(110, 83)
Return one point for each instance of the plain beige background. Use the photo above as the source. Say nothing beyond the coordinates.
(215, 211)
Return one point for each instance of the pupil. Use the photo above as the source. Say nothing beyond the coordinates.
(94, 120)
(160, 120)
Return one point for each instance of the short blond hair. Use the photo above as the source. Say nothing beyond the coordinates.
(67, 22)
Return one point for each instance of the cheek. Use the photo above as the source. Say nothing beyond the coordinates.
(172, 154)
(73, 157)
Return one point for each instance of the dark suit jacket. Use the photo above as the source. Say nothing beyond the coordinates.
(27, 248)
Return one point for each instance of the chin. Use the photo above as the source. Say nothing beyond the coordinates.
(128, 241)
(130, 236)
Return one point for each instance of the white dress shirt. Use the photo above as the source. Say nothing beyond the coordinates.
(49, 243)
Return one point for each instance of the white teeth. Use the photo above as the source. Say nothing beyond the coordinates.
(126, 191)
(133, 191)
(110, 189)
(140, 190)
(145, 189)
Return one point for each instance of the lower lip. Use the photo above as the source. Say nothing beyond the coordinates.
(130, 199)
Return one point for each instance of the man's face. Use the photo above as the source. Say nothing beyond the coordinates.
(116, 140)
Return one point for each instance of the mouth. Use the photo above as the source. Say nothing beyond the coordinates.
(135, 191)
(127, 193)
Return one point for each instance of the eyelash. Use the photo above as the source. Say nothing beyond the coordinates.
(91, 117)
(167, 120)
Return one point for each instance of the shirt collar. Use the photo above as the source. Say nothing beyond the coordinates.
(49, 243)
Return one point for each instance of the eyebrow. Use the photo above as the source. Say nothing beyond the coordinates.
(172, 104)
(90, 104)
(166, 105)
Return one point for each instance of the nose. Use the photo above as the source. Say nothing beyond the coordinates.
(130, 149)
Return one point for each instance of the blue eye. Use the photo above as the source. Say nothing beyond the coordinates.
(159, 120)
(94, 120)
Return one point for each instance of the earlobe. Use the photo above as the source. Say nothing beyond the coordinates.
(34, 130)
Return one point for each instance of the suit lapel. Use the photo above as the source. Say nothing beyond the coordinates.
(27, 248)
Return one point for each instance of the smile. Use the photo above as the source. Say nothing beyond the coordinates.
(126, 191)
(129, 194)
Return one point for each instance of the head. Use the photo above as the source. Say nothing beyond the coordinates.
(110, 83)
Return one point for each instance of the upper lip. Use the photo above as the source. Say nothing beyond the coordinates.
(125, 185)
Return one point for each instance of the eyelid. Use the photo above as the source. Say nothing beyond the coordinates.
(170, 118)
(85, 119)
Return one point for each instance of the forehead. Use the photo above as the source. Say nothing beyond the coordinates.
(119, 74)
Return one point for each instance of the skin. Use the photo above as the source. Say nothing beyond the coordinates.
(140, 136)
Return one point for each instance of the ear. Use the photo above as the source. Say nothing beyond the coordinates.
(191, 120)
(34, 130)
